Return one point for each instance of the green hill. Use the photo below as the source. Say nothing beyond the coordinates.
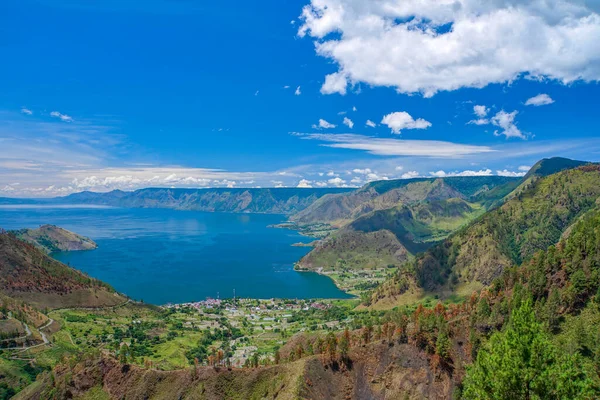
(532, 220)
(385, 223)
(29, 274)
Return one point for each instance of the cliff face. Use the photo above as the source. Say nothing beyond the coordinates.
(51, 238)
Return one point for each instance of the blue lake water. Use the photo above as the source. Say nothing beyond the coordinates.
(162, 256)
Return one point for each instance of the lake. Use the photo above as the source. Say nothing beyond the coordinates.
(161, 256)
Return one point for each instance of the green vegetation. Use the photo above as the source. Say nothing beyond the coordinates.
(507, 307)
(521, 363)
(532, 220)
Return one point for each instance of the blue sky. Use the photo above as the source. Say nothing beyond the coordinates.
(132, 94)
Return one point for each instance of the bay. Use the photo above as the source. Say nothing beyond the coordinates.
(169, 256)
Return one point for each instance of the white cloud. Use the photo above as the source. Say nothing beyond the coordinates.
(257, 92)
(371, 124)
(336, 182)
(298, 92)
(399, 168)
(426, 46)
(481, 111)
(63, 117)
(511, 174)
(395, 147)
(304, 183)
(539, 100)
(286, 87)
(524, 168)
(335, 83)
(398, 121)
(479, 121)
(442, 174)
(354, 108)
(410, 175)
(331, 173)
(323, 125)
(506, 121)
(439, 174)
(348, 122)
(26, 111)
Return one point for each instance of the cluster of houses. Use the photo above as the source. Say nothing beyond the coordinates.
(272, 304)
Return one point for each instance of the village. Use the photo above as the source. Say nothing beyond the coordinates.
(266, 324)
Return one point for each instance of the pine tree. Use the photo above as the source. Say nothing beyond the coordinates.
(521, 363)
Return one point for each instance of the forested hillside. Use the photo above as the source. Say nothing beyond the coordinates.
(384, 224)
(530, 221)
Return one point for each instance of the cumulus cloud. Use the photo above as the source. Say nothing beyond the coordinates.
(524, 168)
(506, 121)
(397, 121)
(370, 124)
(298, 92)
(63, 117)
(304, 183)
(410, 175)
(539, 100)
(443, 174)
(512, 174)
(323, 125)
(481, 111)
(348, 122)
(427, 46)
(335, 83)
(338, 182)
(26, 111)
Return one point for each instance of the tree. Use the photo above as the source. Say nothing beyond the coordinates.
(331, 346)
(344, 345)
(277, 357)
(521, 363)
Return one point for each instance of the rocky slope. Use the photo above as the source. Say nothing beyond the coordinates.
(51, 238)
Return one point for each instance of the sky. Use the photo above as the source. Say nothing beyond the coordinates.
(123, 94)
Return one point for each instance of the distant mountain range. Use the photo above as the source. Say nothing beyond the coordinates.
(252, 200)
